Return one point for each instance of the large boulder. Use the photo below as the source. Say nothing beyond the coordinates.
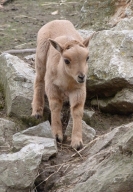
(17, 78)
(110, 71)
(110, 64)
(107, 166)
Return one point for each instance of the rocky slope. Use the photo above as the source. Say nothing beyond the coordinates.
(31, 160)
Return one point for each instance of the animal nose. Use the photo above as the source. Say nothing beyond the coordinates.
(81, 78)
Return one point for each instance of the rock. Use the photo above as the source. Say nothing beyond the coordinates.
(28, 57)
(121, 103)
(88, 115)
(88, 132)
(124, 24)
(100, 15)
(3, 189)
(123, 9)
(19, 170)
(108, 166)
(110, 69)
(96, 14)
(31, 60)
(41, 135)
(17, 79)
(7, 129)
(14, 190)
(85, 33)
(40, 130)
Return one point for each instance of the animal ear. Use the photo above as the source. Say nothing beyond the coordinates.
(56, 45)
(87, 40)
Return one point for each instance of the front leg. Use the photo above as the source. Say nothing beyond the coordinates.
(77, 100)
(55, 105)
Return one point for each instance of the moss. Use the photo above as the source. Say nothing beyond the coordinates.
(31, 121)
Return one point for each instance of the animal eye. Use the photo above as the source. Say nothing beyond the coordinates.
(87, 58)
(66, 61)
(68, 47)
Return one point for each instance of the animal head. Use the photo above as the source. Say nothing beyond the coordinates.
(75, 56)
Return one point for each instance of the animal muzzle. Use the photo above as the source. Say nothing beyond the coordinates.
(81, 78)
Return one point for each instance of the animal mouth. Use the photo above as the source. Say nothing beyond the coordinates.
(81, 78)
(81, 81)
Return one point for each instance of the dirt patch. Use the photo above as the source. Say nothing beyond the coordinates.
(21, 20)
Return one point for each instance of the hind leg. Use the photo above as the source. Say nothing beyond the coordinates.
(39, 84)
(39, 89)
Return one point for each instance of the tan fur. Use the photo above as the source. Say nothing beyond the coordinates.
(59, 40)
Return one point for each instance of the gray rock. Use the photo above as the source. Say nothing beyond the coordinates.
(96, 14)
(17, 79)
(85, 33)
(19, 170)
(88, 115)
(28, 57)
(3, 189)
(41, 135)
(88, 132)
(108, 166)
(110, 64)
(40, 130)
(19, 190)
(122, 103)
(7, 129)
(124, 24)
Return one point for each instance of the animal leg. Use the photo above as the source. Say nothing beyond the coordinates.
(39, 89)
(77, 100)
(55, 107)
(39, 84)
(77, 114)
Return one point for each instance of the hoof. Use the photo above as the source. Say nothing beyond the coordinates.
(59, 138)
(37, 115)
(37, 112)
(77, 145)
